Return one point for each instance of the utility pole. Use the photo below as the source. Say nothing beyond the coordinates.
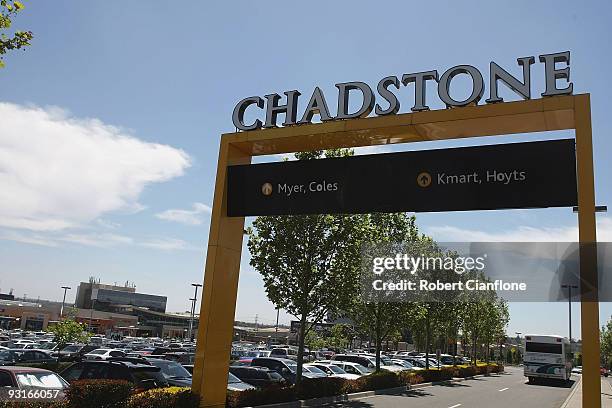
(195, 299)
(276, 329)
(66, 288)
(569, 302)
(256, 328)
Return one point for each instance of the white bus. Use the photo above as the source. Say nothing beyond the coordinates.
(547, 357)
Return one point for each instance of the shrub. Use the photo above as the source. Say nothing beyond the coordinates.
(465, 371)
(378, 381)
(33, 404)
(99, 394)
(172, 397)
(267, 395)
(322, 387)
(435, 375)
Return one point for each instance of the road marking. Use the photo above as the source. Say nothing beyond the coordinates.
(503, 389)
(455, 406)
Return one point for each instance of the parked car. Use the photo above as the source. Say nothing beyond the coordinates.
(235, 384)
(12, 356)
(257, 353)
(285, 367)
(257, 376)
(405, 364)
(28, 378)
(181, 357)
(352, 368)
(315, 371)
(603, 371)
(335, 371)
(143, 376)
(369, 361)
(284, 352)
(103, 354)
(175, 374)
(74, 352)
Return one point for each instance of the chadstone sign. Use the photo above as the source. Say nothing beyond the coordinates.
(317, 103)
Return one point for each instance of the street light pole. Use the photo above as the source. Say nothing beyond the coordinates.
(191, 312)
(569, 302)
(195, 299)
(518, 334)
(66, 288)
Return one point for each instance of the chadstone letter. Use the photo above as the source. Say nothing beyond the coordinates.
(419, 87)
(238, 115)
(394, 105)
(477, 85)
(318, 105)
(552, 74)
(521, 88)
(367, 104)
(289, 109)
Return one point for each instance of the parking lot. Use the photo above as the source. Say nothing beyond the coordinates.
(508, 390)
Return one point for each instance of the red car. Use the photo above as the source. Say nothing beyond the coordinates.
(28, 378)
(603, 371)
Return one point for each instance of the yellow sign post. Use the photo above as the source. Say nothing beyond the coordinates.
(215, 330)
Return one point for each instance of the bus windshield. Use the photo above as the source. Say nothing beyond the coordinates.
(551, 348)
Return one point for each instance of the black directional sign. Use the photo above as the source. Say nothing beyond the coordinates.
(517, 175)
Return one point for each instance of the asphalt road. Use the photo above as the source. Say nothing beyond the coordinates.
(508, 390)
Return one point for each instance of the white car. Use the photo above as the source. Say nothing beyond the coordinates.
(405, 364)
(103, 354)
(352, 368)
(577, 370)
(335, 371)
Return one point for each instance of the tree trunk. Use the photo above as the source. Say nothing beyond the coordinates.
(378, 338)
(300, 356)
(427, 340)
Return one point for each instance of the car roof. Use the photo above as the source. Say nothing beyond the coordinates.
(18, 369)
(128, 364)
(284, 360)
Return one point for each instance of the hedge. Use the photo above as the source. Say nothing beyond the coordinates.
(99, 394)
(327, 387)
(172, 397)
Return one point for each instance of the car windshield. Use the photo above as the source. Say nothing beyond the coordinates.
(232, 379)
(292, 366)
(171, 369)
(385, 361)
(40, 380)
(315, 370)
(71, 349)
(7, 355)
(99, 351)
(361, 369)
(336, 369)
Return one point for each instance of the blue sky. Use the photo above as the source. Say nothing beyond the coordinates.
(110, 123)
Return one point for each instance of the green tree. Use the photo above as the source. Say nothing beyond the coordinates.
(378, 317)
(17, 39)
(309, 263)
(606, 343)
(69, 331)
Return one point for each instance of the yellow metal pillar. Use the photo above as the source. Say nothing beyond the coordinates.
(589, 306)
(218, 306)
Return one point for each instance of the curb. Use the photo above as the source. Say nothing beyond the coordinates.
(317, 402)
(571, 394)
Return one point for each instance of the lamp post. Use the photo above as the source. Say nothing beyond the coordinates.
(66, 288)
(518, 334)
(195, 298)
(189, 332)
(569, 302)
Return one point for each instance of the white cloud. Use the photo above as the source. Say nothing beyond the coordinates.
(189, 217)
(59, 172)
(520, 234)
(168, 244)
